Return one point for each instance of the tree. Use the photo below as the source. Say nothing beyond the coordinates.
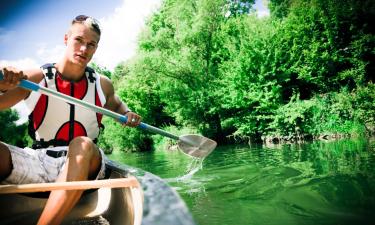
(243, 76)
(239, 7)
(10, 132)
(180, 50)
(101, 70)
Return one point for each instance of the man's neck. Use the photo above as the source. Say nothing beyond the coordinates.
(70, 71)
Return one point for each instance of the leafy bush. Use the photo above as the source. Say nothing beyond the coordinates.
(11, 133)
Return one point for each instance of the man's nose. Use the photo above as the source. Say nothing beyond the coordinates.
(83, 47)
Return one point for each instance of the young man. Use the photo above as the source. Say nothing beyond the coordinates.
(64, 135)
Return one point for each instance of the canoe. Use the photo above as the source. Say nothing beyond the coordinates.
(155, 203)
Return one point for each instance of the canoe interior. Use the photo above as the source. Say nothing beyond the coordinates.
(102, 206)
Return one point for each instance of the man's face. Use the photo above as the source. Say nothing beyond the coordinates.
(81, 43)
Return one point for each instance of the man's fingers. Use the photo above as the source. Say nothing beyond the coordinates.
(20, 77)
(6, 75)
(13, 76)
(133, 120)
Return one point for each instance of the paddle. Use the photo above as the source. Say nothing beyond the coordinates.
(191, 144)
(71, 185)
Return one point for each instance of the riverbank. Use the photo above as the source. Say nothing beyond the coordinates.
(309, 137)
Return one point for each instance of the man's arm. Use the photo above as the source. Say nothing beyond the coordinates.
(12, 94)
(114, 103)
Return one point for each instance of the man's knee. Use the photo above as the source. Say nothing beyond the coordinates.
(6, 165)
(85, 147)
(82, 145)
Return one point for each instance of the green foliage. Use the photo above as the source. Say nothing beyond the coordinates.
(333, 113)
(293, 118)
(239, 7)
(101, 70)
(180, 50)
(306, 70)
(328, 44)
(9, 129)
(161, 142)
(116, 137)
(364, 106)
(250, 91)
(279, 8)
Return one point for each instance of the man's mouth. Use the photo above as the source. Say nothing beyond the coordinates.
(82, 57)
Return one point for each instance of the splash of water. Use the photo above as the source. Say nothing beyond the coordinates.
(194, 166)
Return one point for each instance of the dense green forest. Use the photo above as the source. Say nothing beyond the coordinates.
(10, 132)
(214, 67)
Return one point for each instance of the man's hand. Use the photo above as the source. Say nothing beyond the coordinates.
(133, 119)
(12, 78)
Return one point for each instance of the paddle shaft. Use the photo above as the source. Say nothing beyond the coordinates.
(122, 118)
(72, 185)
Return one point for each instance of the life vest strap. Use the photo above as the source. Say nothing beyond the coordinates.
(54, 142)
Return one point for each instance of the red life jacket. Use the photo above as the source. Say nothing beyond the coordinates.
(52, 121)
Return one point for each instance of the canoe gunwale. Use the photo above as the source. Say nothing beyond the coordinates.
(154, 203)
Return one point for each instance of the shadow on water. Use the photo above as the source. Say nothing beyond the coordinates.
(310, 183)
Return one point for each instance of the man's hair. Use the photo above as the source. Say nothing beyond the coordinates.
(89, 21)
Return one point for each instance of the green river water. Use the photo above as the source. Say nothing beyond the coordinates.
(313, 183)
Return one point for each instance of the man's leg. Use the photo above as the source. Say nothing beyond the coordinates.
(5, 162)
(83, 161)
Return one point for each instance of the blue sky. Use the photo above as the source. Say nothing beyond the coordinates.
(26, 26)
(31, 32)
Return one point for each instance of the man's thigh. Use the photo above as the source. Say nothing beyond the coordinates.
(33, 166)
(5, 161)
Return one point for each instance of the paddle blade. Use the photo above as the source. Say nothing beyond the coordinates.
(196, 145)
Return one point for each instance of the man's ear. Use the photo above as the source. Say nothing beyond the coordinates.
(65, 39)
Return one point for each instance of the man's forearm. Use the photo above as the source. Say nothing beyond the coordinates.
(123, 108)
(3, 89)
(11, 97)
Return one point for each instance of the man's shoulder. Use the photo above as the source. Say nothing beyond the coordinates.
(106, 85)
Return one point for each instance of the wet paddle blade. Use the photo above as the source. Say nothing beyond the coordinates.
(196, 145)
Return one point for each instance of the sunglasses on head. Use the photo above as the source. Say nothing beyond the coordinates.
(94, 22)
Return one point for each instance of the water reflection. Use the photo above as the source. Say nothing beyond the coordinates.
(311, 183)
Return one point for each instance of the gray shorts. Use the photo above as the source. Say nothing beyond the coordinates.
(35, 166)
